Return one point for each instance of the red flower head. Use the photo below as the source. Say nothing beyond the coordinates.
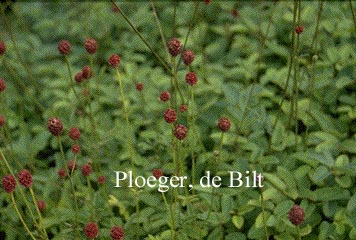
(74, 133)
(191, 78)
(114, 60)
(64, 47)
(9, 183)
(25, 178)
(224, 124)
(91, 230)
(207, 1)
(117, 233)
(188, 57)
(180, 131)
(139, 86)
(157, 173)
(165, 96)
(90, 45)
(2, 85)
(170, 116)
(87, 72)
(174, 47)
(55, 126)
(235, 12)
(101, 179)
(41, 205)
(299, 29)
(75, 149)
(2, 47)
(79, 77)
(296, 215)
(62, 173)
(2, 120)
(183, 108)
(87, 169)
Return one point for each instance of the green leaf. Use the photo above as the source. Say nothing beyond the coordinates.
(238, 221)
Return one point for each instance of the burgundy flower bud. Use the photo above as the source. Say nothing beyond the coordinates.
(25, 178)
(87, 72)
(74, 133)
(114, 60)
(170, 116)
(101, 179)
(64, 47)
(174, 47)
(165, 96)
(2, 47)
(180, 131)
(117, 233)
(188, 57)
(183, 108)
(9, 183)
(2, 85)
(157, 173)
(55, 126)
(79, 77)
(296, 215)
(2, 120)
(191, 78)
(90, 45)
(62, 173)
(91, 230)
(139, 86)
(41, 205)
(87, 169)
(224, 124)
(299, 29)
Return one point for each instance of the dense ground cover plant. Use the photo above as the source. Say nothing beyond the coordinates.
(162, 89)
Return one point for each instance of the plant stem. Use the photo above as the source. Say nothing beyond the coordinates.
(264, 215)
(164, 64)
(159, 27)
(20, 216)
(38, 212)
(91, 198)
(128, 125)
(70, 180)
(172, 225)
(298, 232)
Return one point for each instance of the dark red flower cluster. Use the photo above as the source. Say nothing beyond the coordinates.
(25, 178)
(64, 47)
(170, 116)
(9, 183)
(224, 124)
(90, 45)
(55, 126)
(114, 60)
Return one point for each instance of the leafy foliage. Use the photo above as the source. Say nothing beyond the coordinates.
(290, 98)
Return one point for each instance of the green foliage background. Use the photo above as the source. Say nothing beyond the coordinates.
(307, 158)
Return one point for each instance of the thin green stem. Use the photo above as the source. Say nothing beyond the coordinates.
(159, 27)
(38, 212)
(91, 198)
(172, 225)
(353, 14)
(298, 233)
(71, 81)
(264, 215)
(189, 29)
(129, 127)
(20, 216)
(164, 64)
(70, 180)
(291, 62)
